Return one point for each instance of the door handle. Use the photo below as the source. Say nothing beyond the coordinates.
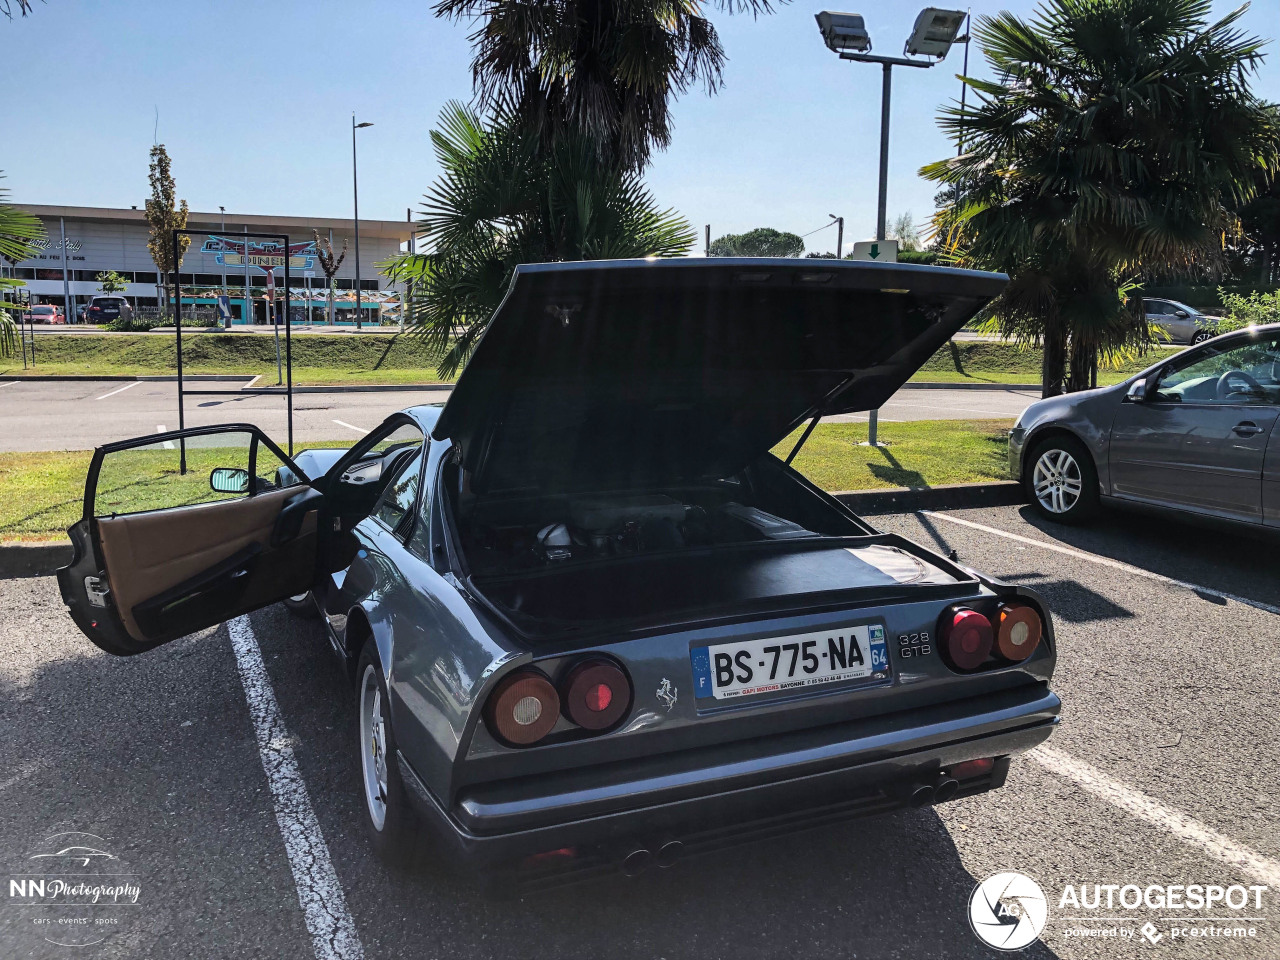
(1246, 428)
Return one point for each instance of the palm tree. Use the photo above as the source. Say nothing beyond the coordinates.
(1120, 137)
(601, 69)
(17, 229)
(502, 201)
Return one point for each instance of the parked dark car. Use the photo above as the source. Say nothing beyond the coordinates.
(1188, 435)
(591, 620)
(107, 309)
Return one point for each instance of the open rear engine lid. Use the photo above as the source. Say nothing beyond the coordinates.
(613, 375)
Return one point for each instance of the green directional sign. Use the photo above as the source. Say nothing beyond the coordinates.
(882, 251)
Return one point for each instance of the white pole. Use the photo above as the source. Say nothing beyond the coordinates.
(66, 284)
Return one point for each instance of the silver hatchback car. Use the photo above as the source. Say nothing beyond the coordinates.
(1189, 434)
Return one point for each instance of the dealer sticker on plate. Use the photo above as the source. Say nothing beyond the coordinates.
(745, 667)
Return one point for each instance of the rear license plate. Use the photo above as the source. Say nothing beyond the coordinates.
(746, 667)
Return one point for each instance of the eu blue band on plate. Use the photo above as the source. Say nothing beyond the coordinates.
(701, 661)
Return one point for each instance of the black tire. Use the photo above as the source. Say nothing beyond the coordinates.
(303, 605)
(398, 839)
(1202, 335)
(1061, 475)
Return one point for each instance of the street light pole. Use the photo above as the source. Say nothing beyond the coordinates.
(932, 36)
(355, 198)
(224, 267)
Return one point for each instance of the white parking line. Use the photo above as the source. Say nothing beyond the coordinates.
(324, 906)
(1106, 562)
(121, 390)
(349, 426)
(8, 383)
(1135, 802)
(166, 444)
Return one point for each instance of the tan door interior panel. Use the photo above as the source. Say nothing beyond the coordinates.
(147, 553)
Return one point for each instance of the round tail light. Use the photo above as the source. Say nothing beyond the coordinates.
(595, 694)
(1019, 630)
(967, 638)
(523, 708)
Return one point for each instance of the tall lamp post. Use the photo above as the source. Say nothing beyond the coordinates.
(223, 291)
(355, 197)
(839, 235)
(932, 36)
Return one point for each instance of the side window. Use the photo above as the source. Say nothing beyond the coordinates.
(1238, 373)
(149, 476)
(397, 499)
(420, 538)
(1156, 308)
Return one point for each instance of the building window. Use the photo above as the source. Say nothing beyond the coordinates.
(144, 278)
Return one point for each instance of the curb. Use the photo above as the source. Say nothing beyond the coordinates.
(392, 387)
(33, 559)
(939, 385)
(42, 559)
(954, 496)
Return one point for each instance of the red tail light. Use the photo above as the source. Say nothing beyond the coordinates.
(523, 708)
(595, 694)
(967, 638)
(1019, 630)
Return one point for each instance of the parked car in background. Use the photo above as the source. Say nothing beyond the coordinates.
(1178, 322)
(45, 313)
(1188, 435)
(105, 309)
(591, 621)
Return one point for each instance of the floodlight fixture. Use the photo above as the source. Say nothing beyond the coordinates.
(934, 33)
(843, 31)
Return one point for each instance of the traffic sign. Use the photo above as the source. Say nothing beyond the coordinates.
(882, 251)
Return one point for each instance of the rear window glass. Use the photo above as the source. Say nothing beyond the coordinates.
(42, 310)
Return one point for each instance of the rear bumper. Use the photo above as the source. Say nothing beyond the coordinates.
(864, 768)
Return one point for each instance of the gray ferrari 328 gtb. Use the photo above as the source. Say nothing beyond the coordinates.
(590, 619)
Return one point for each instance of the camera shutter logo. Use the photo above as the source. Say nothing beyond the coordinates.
(1008, 911)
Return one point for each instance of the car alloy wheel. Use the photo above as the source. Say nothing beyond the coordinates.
(1201, 336)
(1057, 481)
(373, 746)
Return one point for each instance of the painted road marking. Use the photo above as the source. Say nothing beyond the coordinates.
(251, 382)
(1190, 831)
(121, 390)
(324, 906)
(167, 444)
(349, 426)
(1107, 562)
(8, 383)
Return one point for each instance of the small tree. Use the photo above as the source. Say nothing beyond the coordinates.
(760, 242)
(17, 229)
(329, 264)
(165, 215)
(110, 282)
(904, 230)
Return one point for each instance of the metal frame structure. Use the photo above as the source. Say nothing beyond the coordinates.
(183, 392)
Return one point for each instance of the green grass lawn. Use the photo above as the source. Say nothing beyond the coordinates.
(317, 358)
(41, 494)
(398, 358)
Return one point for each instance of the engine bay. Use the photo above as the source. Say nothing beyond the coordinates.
(502, 536)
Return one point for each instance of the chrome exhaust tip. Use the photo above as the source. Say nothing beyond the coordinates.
(636, 862)
(945, 790)
(921, 795)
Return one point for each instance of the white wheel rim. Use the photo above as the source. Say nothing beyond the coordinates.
(373, 747)
(1057, 481)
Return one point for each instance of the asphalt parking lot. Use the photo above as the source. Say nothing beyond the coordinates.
(79, 415)
(1163, 772)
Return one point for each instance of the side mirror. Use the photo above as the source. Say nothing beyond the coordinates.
(1181, 313)
(229, 480)
(1137, 392)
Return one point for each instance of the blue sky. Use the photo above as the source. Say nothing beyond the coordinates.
(255, 101)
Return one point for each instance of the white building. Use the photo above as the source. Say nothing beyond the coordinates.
(98, 239)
